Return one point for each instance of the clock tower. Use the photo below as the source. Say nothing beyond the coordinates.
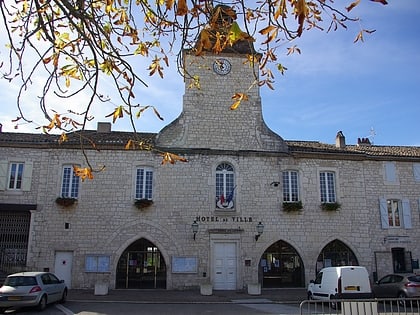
(207, 120)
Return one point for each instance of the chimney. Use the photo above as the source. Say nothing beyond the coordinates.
(363, 141)
(340, 140)
(104, 127)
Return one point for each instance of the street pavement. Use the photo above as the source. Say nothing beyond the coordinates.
(284, 295)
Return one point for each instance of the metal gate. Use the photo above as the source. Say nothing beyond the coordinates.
(14, 235)
(361, 307)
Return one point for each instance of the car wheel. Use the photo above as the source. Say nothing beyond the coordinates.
(64, 296)
(401, 297)
(42, 305)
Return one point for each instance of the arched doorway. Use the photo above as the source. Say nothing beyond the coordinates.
(281, 266)
(141, 266)
(334, 254)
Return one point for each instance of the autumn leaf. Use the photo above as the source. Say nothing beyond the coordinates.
(292, 50)
(63, 138)
(155, 66)
(83, 173)
(380, 1)
(169, 4)
(172, 158)
(271, 31)
(55, 122)
(182, 8)
(351, 6)
(238, 97)
(117, 113)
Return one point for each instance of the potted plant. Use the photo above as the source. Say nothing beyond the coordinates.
(65, 201)
(143, 203)
(330, 206)
(292, 206)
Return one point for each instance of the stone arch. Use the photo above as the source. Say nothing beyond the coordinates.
(141, 266)
(281, 266)
(336, 253)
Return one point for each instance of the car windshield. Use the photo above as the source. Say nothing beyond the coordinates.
(414, 278)
(20, 281)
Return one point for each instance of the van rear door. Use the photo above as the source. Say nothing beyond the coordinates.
(355, 280)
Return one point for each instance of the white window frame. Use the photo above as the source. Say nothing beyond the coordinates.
(327, 186)
(225, 185)
(70, 185)
(16, 176)
(143, 187)
(291, 191)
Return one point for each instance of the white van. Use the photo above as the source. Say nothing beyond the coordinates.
(345, 282)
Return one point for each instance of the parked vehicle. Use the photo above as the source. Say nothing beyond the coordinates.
(397, 286)
(345, 282)
(31, 289)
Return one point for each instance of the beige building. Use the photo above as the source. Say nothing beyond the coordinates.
(249, 210)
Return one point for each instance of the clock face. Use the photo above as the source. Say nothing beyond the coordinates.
(222, 66)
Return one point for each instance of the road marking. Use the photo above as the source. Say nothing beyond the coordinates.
(65, 310)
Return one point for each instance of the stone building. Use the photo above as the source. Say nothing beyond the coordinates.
(249, 210)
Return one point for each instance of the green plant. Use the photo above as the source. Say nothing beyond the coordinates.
(142, 203)
(292, 206)
(330, 206)
(65, 201)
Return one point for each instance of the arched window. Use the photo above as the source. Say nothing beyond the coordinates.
(225, 186)
(335, 254)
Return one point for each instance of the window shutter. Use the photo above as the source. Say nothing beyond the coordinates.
(390, 172)
(384, 213)
(27, 176)
(416, 171)
(3, 174)
(406, 213)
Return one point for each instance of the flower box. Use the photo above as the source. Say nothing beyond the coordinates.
(143, 203)
(65, 201)
(330, 206)
(292, 206)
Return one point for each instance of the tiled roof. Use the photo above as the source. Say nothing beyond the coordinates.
(119, 139)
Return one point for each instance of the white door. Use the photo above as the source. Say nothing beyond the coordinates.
(224, 261)
(62, 267)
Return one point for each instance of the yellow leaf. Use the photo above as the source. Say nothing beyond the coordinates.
(172, 158)
(63, 138)
(83, 173)
(117, 113)
(238, 97)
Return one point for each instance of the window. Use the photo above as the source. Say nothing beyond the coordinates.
(98, 263)
(225, 186)
(144, 183)
(395, 213)
(70, 183)
(393, 207)
(290, 186)
(327, 185)
(15, 176)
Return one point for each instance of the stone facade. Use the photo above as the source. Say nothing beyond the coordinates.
(104, 221)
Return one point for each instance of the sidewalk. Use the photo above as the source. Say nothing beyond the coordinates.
(286, 295)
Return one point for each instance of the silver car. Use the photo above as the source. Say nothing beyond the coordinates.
(397, 286)
(31, 289)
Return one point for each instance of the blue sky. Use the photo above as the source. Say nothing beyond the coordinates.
(369, 89)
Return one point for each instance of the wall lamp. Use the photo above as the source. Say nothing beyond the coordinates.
(194, 227)
(260, 230)
(275, 184)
